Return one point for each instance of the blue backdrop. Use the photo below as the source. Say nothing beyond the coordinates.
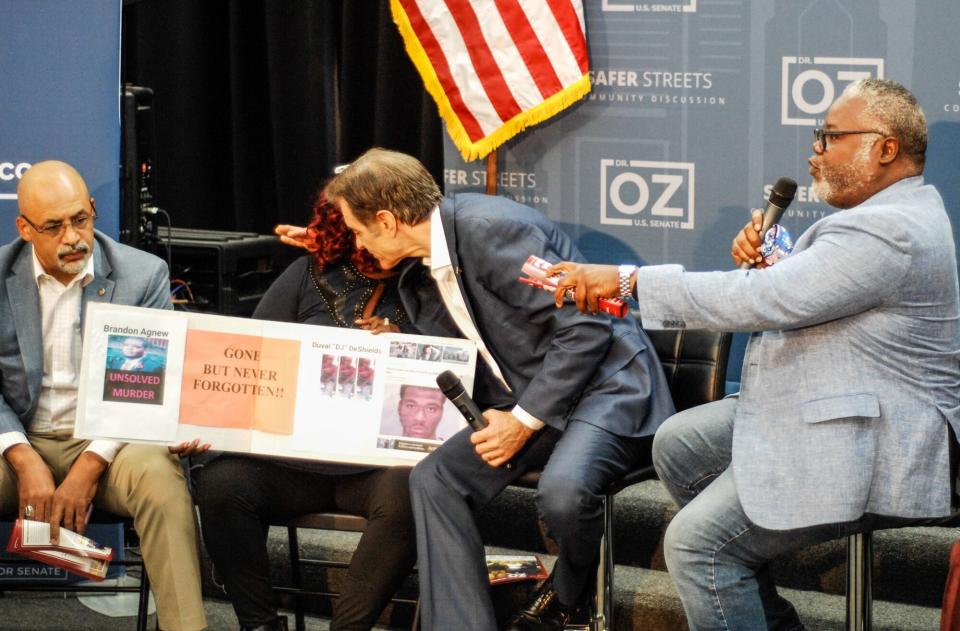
(699, 106)
(60, 62)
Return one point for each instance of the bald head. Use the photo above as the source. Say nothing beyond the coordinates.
(56, 213)
(49, 183)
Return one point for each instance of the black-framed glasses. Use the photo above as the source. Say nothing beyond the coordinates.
(820, 135)
(55, 229)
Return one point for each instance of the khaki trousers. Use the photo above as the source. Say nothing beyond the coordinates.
(146, 483)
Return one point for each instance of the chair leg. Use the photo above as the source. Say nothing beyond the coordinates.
(415, 626)
(603, 598)
(143, 607)
(294, 544)
(859, 582)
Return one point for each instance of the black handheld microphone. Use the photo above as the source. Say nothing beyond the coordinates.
(453, 389)
(780, 197)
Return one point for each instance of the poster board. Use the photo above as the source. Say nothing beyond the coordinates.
(272, 388)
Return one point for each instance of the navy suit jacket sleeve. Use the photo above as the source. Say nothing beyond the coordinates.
(549, 355)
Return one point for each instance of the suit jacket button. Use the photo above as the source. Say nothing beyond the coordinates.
(101, 291)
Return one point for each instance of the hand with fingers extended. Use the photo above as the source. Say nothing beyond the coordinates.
(297, 236)
(746, 245)
(189, 448)
(72, 499)
(588, 282)
(501, 439)
(376, 324)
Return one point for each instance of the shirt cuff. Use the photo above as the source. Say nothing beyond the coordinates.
(527, 419)
(638, 312)
(106, 449)
(9, 439)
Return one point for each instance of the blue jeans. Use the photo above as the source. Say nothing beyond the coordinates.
(719, 559)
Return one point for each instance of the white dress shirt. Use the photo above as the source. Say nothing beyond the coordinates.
(62, 346)
(441, 269)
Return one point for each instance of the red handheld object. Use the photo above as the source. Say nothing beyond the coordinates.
(536, 267)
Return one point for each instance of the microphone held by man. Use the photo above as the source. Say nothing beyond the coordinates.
(781, 196)
(451, 386)
(453, 389)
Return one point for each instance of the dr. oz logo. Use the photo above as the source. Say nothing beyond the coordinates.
(810, 84)
(646, 193)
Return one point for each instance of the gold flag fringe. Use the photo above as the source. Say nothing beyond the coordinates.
(471, 150)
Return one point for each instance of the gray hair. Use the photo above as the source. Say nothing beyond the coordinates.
(897, 112)
(386, 180)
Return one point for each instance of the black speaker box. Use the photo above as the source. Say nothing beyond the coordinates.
(137, 177)
(224, 272)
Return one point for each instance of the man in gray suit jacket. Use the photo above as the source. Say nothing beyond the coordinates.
(47, 277)
(577, 395)
(847, 391)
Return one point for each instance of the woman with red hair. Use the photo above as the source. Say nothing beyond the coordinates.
(239, 495)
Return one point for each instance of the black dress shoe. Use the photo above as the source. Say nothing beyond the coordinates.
(279, 624)
(545, 613)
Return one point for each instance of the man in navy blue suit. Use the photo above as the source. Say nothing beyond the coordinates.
(577, 395)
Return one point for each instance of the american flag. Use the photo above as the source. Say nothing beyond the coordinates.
(495, 67)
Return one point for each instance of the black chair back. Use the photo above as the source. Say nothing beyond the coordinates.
(695, 364)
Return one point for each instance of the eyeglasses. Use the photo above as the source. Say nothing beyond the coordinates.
(820, 136)
(55, 229)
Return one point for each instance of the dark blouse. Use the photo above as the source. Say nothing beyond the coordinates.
(335, 297)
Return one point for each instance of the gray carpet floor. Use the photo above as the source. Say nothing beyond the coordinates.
(49, 612)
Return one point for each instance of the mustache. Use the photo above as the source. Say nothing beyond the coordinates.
(79, 248)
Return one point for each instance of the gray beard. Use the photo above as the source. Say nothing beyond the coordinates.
(75, 267)
(845, 178)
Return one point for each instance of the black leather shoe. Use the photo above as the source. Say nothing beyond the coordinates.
(545, 613)
(278, 624)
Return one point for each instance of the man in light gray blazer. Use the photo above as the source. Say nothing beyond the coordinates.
(850, 379)
(47, 277)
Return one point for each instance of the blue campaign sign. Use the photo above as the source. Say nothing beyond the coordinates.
(699, 106)
(60, 62)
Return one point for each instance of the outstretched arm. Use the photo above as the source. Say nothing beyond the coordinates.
(590, 283)
(297, 236)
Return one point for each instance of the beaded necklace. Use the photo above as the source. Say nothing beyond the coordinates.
(336, 301)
